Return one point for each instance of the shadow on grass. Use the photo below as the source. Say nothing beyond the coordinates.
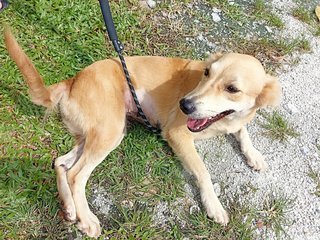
(23, 104)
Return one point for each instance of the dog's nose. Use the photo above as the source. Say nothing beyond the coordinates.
(187, 106)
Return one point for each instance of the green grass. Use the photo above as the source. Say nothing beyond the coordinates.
(305, 12)
(262, 11)
(272, 215)
(315, 176)
(62, 37)
(302, 14)
(277, 127)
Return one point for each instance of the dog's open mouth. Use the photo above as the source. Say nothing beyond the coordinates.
(197, 125)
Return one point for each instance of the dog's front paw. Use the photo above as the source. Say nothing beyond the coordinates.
(256, 160)
(218, 214)
(89, 225)
(214, 208)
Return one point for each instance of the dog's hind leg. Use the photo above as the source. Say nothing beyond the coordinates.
(62, 165)
(99, 142)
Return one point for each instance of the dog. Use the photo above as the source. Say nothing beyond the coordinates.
(188, 99)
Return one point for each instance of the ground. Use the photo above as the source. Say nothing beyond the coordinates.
(141, 191)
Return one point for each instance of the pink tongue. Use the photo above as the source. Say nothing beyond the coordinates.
(196, 123)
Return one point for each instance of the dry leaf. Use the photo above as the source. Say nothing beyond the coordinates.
(277, 58)
(318, 12)
(260, 224)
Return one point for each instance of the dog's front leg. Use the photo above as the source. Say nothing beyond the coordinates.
(254, 158)
(182, 144)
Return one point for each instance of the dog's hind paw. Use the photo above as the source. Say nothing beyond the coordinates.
(70, 215)
(90, 225)
(69, 211)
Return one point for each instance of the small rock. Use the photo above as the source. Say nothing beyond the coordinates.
(211, 44)
(200, 37)
(143, 4)
(127, 204)
(217, 189)
(194, 209)
(268, 29)
(151, 3)
(215, 17)
(216, 10)
(305, 150)
(292, 108)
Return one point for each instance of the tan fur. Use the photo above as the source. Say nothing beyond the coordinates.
(95, 102)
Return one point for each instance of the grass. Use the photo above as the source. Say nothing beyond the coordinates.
(261, 11)
(272, 216)
(62, 38)
(277, 127)
(315, 176)
(305, 12)
(302, 14)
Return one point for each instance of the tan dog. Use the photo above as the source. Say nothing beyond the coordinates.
(189, 100)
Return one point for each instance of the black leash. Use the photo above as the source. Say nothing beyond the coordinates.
(105, 9)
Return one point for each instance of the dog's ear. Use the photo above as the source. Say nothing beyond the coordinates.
(214, 57)
(270, 94)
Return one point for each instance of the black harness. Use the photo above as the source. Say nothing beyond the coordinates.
(105, 9)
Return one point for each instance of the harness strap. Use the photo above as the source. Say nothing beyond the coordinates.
(105, 9)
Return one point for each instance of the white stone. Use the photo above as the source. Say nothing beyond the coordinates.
(305, 150)
(292, 108)
(268, 29)
(200, 37)
(216, 10)
(151, 3)
(215, 17)
(217, 189)
(194, 209)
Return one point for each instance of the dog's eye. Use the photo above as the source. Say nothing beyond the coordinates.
(232, 89)
(206, 72)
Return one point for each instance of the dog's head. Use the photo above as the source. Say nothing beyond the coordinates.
(233, 86)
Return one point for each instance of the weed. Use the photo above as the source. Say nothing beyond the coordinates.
(272, 216)
(277, 127)
(305, 13)
(133, 223)
(302, 14)
(261, 11)
(315, 176)
(317, 31)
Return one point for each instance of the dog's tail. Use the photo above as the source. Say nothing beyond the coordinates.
(40, 94)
